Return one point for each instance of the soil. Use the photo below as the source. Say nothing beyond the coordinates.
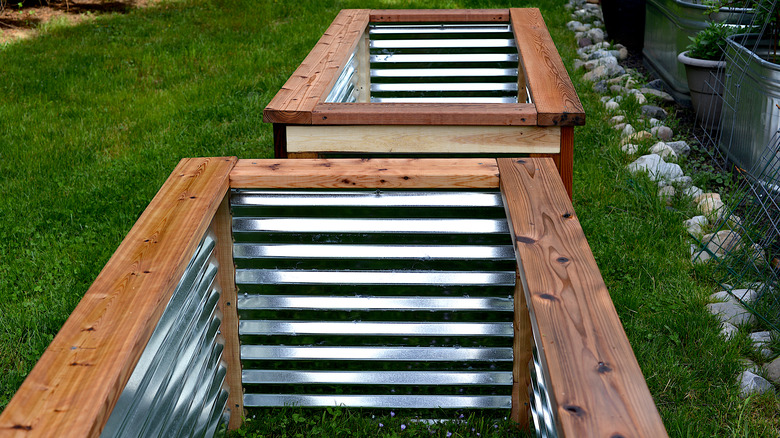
(18, 23)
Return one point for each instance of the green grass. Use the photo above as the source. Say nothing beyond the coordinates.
(94, 117)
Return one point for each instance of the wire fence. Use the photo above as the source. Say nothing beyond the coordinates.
(740, 131)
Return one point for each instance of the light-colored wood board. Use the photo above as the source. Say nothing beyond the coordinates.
(226, 278)
(363, 71)
(551, 88)
(380, 113)
(366, 173)
(440, 15)
(521, 355)
(314, 78)
(424, 139)
(596, 383)
(73, 388)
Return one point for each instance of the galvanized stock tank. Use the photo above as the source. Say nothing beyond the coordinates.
(668, 24)
(750, 115)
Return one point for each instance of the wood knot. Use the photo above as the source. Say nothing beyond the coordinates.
(603, 368)
(567, 215)
(274, 166)
(618, 435)
(21, 427)
(520, 161)
(548, 297)
(574, 410)
(562, 260)
(523, 239)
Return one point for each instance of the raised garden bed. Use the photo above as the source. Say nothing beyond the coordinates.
(466, 82)
(583, 377)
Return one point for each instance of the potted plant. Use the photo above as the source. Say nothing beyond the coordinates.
(704, 67)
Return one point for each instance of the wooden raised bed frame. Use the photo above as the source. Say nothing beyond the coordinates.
(561, 302)
(305, 126)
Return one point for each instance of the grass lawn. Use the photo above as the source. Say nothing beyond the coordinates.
(94, 117)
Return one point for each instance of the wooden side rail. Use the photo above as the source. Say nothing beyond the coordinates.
(73, 388)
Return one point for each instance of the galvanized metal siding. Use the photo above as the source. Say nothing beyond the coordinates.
(374, 299)
(431, 63)
(177, 388)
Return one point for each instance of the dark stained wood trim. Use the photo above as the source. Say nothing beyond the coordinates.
(280, 140)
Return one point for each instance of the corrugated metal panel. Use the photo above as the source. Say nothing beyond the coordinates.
(177, 387)
(409, 305)
(445, 62)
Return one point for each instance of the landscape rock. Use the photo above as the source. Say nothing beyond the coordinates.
(622, 54)
(616, 120)
(710, 195)
(596, 35)
(601, 87)
(680, 147)
(696, 225)
(630, 148)
(655, 112)
(655, 167)
(654, 122)
(682, 182)
(663, 150)
(612, 105)
(773, 370)
(616, 89)
(729, 309)
(747, 295)
(761, 342)
(663, 132)
(596, 74)
(627, 130)
(666, 97)
(667, 193)
(637, 136)
(751, 383)
(584, 42)
(711, 207)
(693, 192)
(573, 25)
(723, 241)
(728, 330)
(619, 127)
(656, 84)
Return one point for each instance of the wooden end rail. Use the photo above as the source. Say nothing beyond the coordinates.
(595, 384)
(305, 126)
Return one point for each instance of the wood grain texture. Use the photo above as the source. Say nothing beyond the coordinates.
(439, 15)
(551, 89)
(226, 278)
(75, 384)
(521, 355)
(366, 173)
(596, 383)
(379, 113)
(314, 78)
(424, 139)
(565, 162)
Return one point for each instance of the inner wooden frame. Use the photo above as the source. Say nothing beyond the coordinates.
(562, 304)
(379, 128)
